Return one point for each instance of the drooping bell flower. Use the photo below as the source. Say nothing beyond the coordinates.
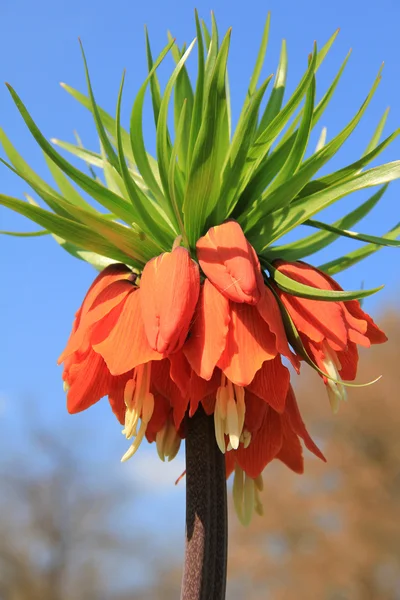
(238, 341)
(111, 351)
(273, 435)
(330, 331)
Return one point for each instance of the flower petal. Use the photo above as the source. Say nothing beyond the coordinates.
(162, 383)
(126, 346)
(89, 380)
(116, 395)
(231, 263)
(200, 388)
(207, 338)
(271, 383)
(291, 453)
(101, 305)
(162, 408)
(349, 362)
(170, 286)
(248, 344)
(317, 319)
(269, 310)
(264, 446)
(298, 426)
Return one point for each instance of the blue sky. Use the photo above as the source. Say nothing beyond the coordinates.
(41, 286)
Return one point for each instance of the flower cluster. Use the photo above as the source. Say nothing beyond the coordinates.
(210, 332)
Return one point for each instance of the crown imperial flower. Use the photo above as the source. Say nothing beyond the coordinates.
(198, 307)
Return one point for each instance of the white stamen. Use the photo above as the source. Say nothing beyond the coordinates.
(246, 495)
(229, 414)
(139, 405)
(331, 365)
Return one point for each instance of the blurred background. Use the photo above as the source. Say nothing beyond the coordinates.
(75, 524)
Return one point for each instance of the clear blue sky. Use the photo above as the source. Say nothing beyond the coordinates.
(41, 286)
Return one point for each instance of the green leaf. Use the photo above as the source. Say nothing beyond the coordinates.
(71, 231)
(136, 134)
(288, 190)
(107, 120)
(275, 101)
(347, 172)
(360, 237)
(175, 183)
(202, 191)
(108, 199)
(377, 133)
(264, 141)
(272, 164)
(321, 140)
(162, 139)
(26, 233)
(258, 66)
(314, 243)
(237, 154)
(110, 152)
(344, 262)
(65, 187)
(212, 52)
(305, 291)
(183, 94)
(287, 218)
(299, 147)
(199, 94)
(146, 215)
(154, 84)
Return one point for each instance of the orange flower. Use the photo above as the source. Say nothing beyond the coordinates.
(330, 331)
(111, 348)
(160, 347)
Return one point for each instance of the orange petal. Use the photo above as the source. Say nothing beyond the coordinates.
(110, 274)
(231, 263)
(373, 333)
(255, 412)
(271, 383)
(248, 344)
(349, 362)
(298, 426)
(116, 395)
(269, 310)
(89, 380)
(126, 346)
(162, 408)
(317, 319)
(291, 453)
(101, 306)
(170, 286)
(163, 384)
(264, 446)
(200, 388)
(207, 338)
(180, 372)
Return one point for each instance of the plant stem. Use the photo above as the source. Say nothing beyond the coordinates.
(204, 576)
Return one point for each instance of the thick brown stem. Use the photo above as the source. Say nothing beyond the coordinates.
(204, 576)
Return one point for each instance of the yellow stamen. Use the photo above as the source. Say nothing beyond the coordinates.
(246, 496)
(168, 441)
(229, 414)
(331, 365)
(139, 403)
